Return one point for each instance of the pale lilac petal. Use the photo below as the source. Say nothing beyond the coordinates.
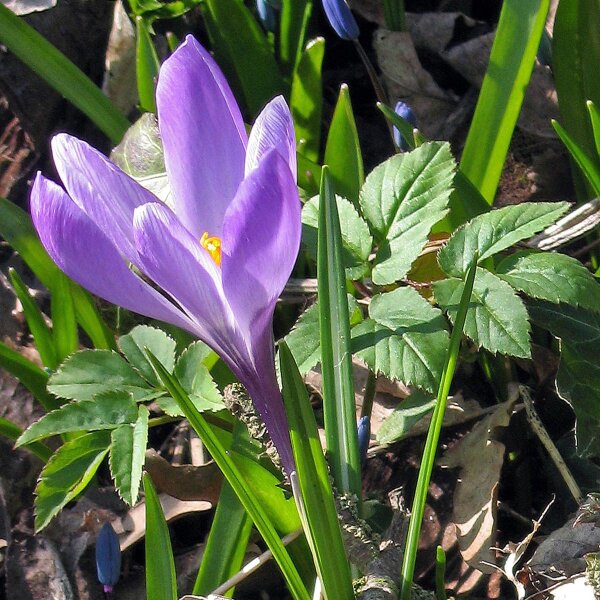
(85, 254)
(273, 128)
(261, 238)
(105, 193)
(203, 136)
(174, 260)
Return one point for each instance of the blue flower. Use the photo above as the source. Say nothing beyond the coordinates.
(341, 19)
(267, 13)
(364, 433)
(108, 557)
(405, 111)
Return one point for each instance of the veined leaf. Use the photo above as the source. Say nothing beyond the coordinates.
(127, 455)
(551, 276)
(401, 200)
(495, 231)
(356, 238)
(90, 372)
(106, 411)
(496, 319)
(68, 473)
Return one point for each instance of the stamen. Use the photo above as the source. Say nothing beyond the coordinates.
(213, 246)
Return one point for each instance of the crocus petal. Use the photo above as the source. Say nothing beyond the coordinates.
(203, 136)
(85, 254)
(273, 128)
(105, 193)
(261, 237)
(173, 259)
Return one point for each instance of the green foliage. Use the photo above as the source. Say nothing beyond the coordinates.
(146, 66)
(294, 21)
(161, 9)
(405, 416)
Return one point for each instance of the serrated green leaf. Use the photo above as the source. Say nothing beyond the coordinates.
(186, 369)
(68, 473)
(405, 415)
(495, 231)
(413, 354)
(401, 200)
(105, 411)
(132, 345)
(497, 319)
(578, 378)
(551, 276)
(127, 454)
(90, 372)
(356, 238)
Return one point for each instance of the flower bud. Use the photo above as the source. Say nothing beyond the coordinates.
(108, 557)
(405, 111)
(267, 13)
(364, 433)
(341, 19)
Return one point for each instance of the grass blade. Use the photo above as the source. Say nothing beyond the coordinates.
(433, 436)
(146, 66)
(61, 74)
(64, 323)
(336, 356)
(294, 19)
(511, 63)
(595, 120)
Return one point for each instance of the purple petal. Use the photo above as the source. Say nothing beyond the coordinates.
(105, 193)
(261, 237)
(203, 136)
(174, 260)
(85, 254)
(273, 128)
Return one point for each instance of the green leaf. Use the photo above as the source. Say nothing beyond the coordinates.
(319, 515)
(127, 455)
(551, 276)
(495, 231)
(496, 320)
(511, 63)
(595, 121)
(240, 44)
(161, 580)
(146, 65)
(295, 15)
(401, 200)
(133, 346)
(405, 128)
(342, 150)
(68, 473)
(106, 411)
(578, 378)
(589, 166)
(61, 74)
(356, 238)
(409, 344)
(186, 369)
(405, 416)
(306, 102)
(12, 431)
(64, 322)
(90, 372)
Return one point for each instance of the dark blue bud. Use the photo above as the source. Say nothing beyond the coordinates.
(364, 433)
(108, 557)
(341, 19)
(405, 111)
(267, 13)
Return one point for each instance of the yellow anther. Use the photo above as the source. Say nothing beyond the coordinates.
(213, 246)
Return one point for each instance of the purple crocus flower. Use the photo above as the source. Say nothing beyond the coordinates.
(340, 17)
(224, 251)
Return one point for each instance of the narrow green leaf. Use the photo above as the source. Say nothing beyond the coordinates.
(497, 319)
(240, 44)
(405, 415)
(595, 121)
(589, 166)
(401, 200)
(393, 11)
(61, 74)
(306, 102)
(357, 241)
(161, 580)
(342, 150)
(146, 65)
(90, 372)
(42, 336)
(106, 411)
(29, 374)
(10, 430)
(494, 231)
(127, 455)
(68, 473)
(64, 322)
(551, 276)
(318, 511)
(336, 357)
(295, 15)
(511, 63)
(405, 128)
(231, 472)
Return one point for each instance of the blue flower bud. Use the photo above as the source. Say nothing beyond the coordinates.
(405, 111)
(341, 19)
(364, 433)
(267, 13)
(108, 557)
